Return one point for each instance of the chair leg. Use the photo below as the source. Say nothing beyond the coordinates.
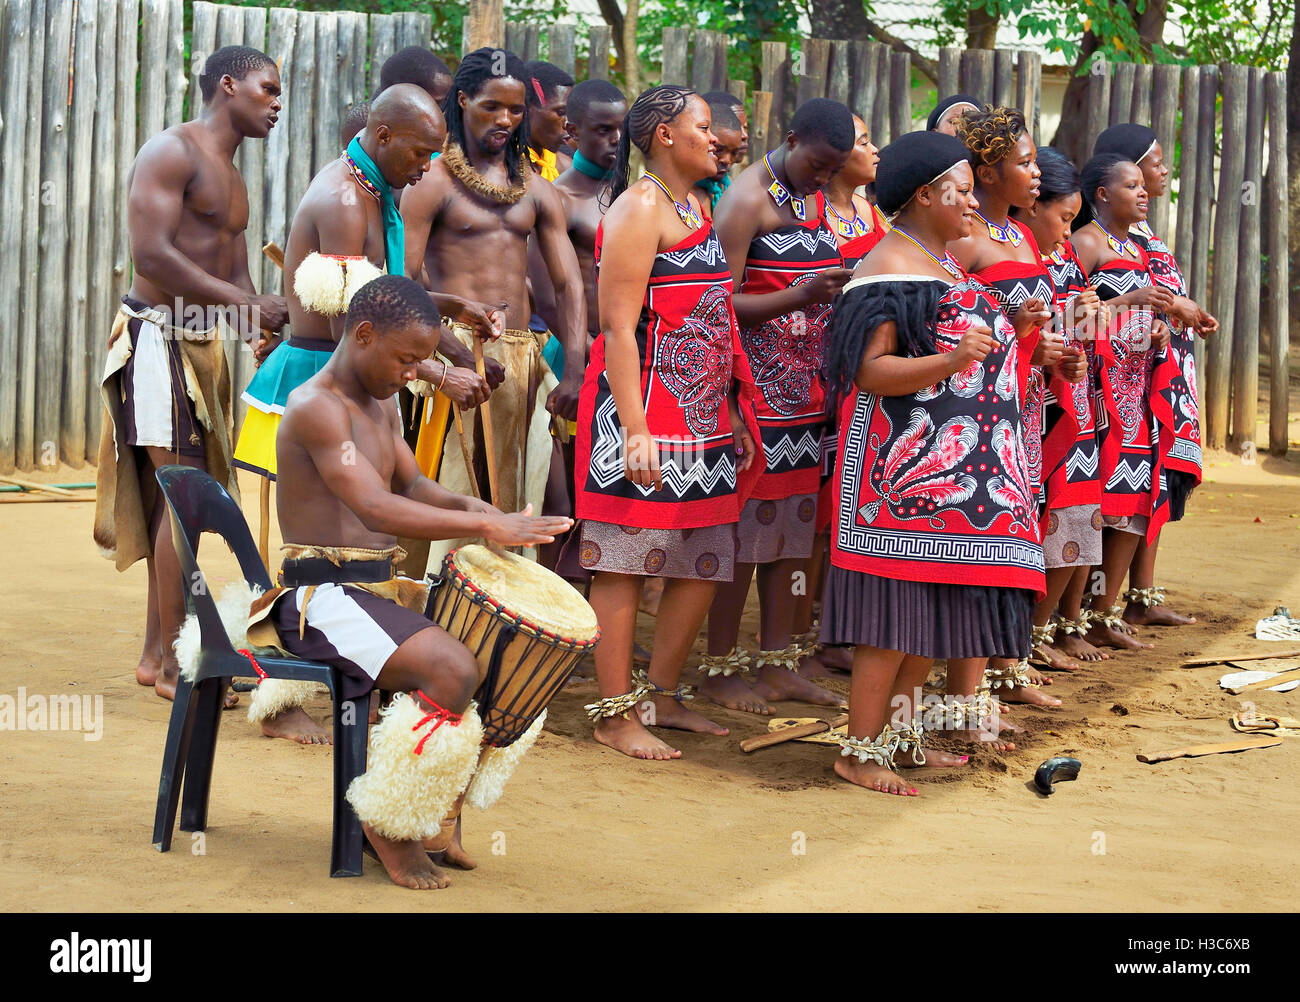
(351, 731)
(176, 750)
(198, 769)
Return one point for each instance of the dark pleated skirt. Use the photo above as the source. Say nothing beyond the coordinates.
(926, 619)
(1180, 486)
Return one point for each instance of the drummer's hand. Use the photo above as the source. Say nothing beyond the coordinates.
(524, 528)
(641, 460)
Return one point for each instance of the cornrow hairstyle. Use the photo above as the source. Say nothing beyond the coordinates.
(474, 71)
(235, 61)
(414, 65)
(544, 79)
(991, 135)
(392, 301)
(1097, 173)
(654, 107)
(824, 119)
(590, 92)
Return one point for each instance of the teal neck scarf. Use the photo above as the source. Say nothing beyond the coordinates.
(714, 188)
(584, 166)
(368, 174)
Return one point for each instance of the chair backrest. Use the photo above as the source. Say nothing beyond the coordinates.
(197, 503)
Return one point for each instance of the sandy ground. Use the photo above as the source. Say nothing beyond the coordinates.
(582, 828)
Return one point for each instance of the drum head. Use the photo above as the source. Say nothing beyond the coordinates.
(529, 590)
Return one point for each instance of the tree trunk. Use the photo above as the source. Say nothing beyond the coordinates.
(613, 15)
(845, 19)
(1070, 139)
(1293, 156)
(631, 60)
(981, 28)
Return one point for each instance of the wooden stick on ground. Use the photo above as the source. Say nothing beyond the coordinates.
(32, 485)
(1281, 678)
(1225, 658)
(785, 734)
(1193, 751)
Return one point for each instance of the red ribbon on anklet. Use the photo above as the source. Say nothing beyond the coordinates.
(438, 715)
(256, 667)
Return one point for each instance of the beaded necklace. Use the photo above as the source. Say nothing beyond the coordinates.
(781, 194)
(684, 211)
(848, 227)
(1007, 234)
(948, 263)
(1121, 247)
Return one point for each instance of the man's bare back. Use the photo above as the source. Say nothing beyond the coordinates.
(583, 215)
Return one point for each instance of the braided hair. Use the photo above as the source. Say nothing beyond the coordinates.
(474, 71)
(1097, 173)
(991, 135)
(653, 108)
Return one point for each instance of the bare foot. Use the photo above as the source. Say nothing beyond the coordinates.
(1103, 636)
(1155, 615)
(1027, 694)
(1079, 649)
(670, 713)
(781, 683)
(146, 672)
(1054, 659)
(824, 664)
(870, 776)
(449, 853)
(934, 759)
(983, 738)
(165, 684)
(733, 692)
(628, 736)
(295, 725)
(1036, 677)
(407, 863)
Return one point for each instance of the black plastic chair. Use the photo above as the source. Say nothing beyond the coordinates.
(197, 504)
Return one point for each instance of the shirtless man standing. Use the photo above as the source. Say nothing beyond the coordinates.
(468, 223)
(187, 208)
(340, 216)
(357, 501)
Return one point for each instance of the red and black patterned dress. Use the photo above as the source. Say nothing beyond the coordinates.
(785, 356)
(1012, 283)
(1134, 424)
(690, 354)
(1183, 461)
(1071, 516)
(853, 250)
(936, 527)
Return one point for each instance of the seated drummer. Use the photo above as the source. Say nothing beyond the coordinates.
(348, 487)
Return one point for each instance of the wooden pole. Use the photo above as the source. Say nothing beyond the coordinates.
(1004, 62)
(703, 57)
(77, 292)
(383, 43)
(949, 71)
(598, 37)
(203, 42)
(759, 137)
(676, 63)
(1143, 81)
(177, 81)
(1279, 276)
(282, 32)
(484, 24)
(838, 76)
(15, 45)
(252, 167)
(326, 106)
(1245, 332)
(1099, 83)
(1189, 166)
(1029, 90)
(1164, 119)
(301, 106)
(1121, 93)
(127, 138)
(774, 60)
(880, 109)
(865, 61)
(55, 192)
(30, 293)
(562, 47)
(230, 31)
(104, 184)
(532, 42)
(900, 94)
(1203, 204)
(1227, 227)
(816, 55)
(977, 74)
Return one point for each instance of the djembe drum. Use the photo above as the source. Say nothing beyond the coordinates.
(526, 626)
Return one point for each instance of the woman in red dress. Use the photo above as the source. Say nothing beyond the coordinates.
(666, 455)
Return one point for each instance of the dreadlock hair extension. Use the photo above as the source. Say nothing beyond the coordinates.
(654, 107)
(1058, 178)
(912, 306)
(235, 61)
(1097, 173)
(474, 71)
(991, 135)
